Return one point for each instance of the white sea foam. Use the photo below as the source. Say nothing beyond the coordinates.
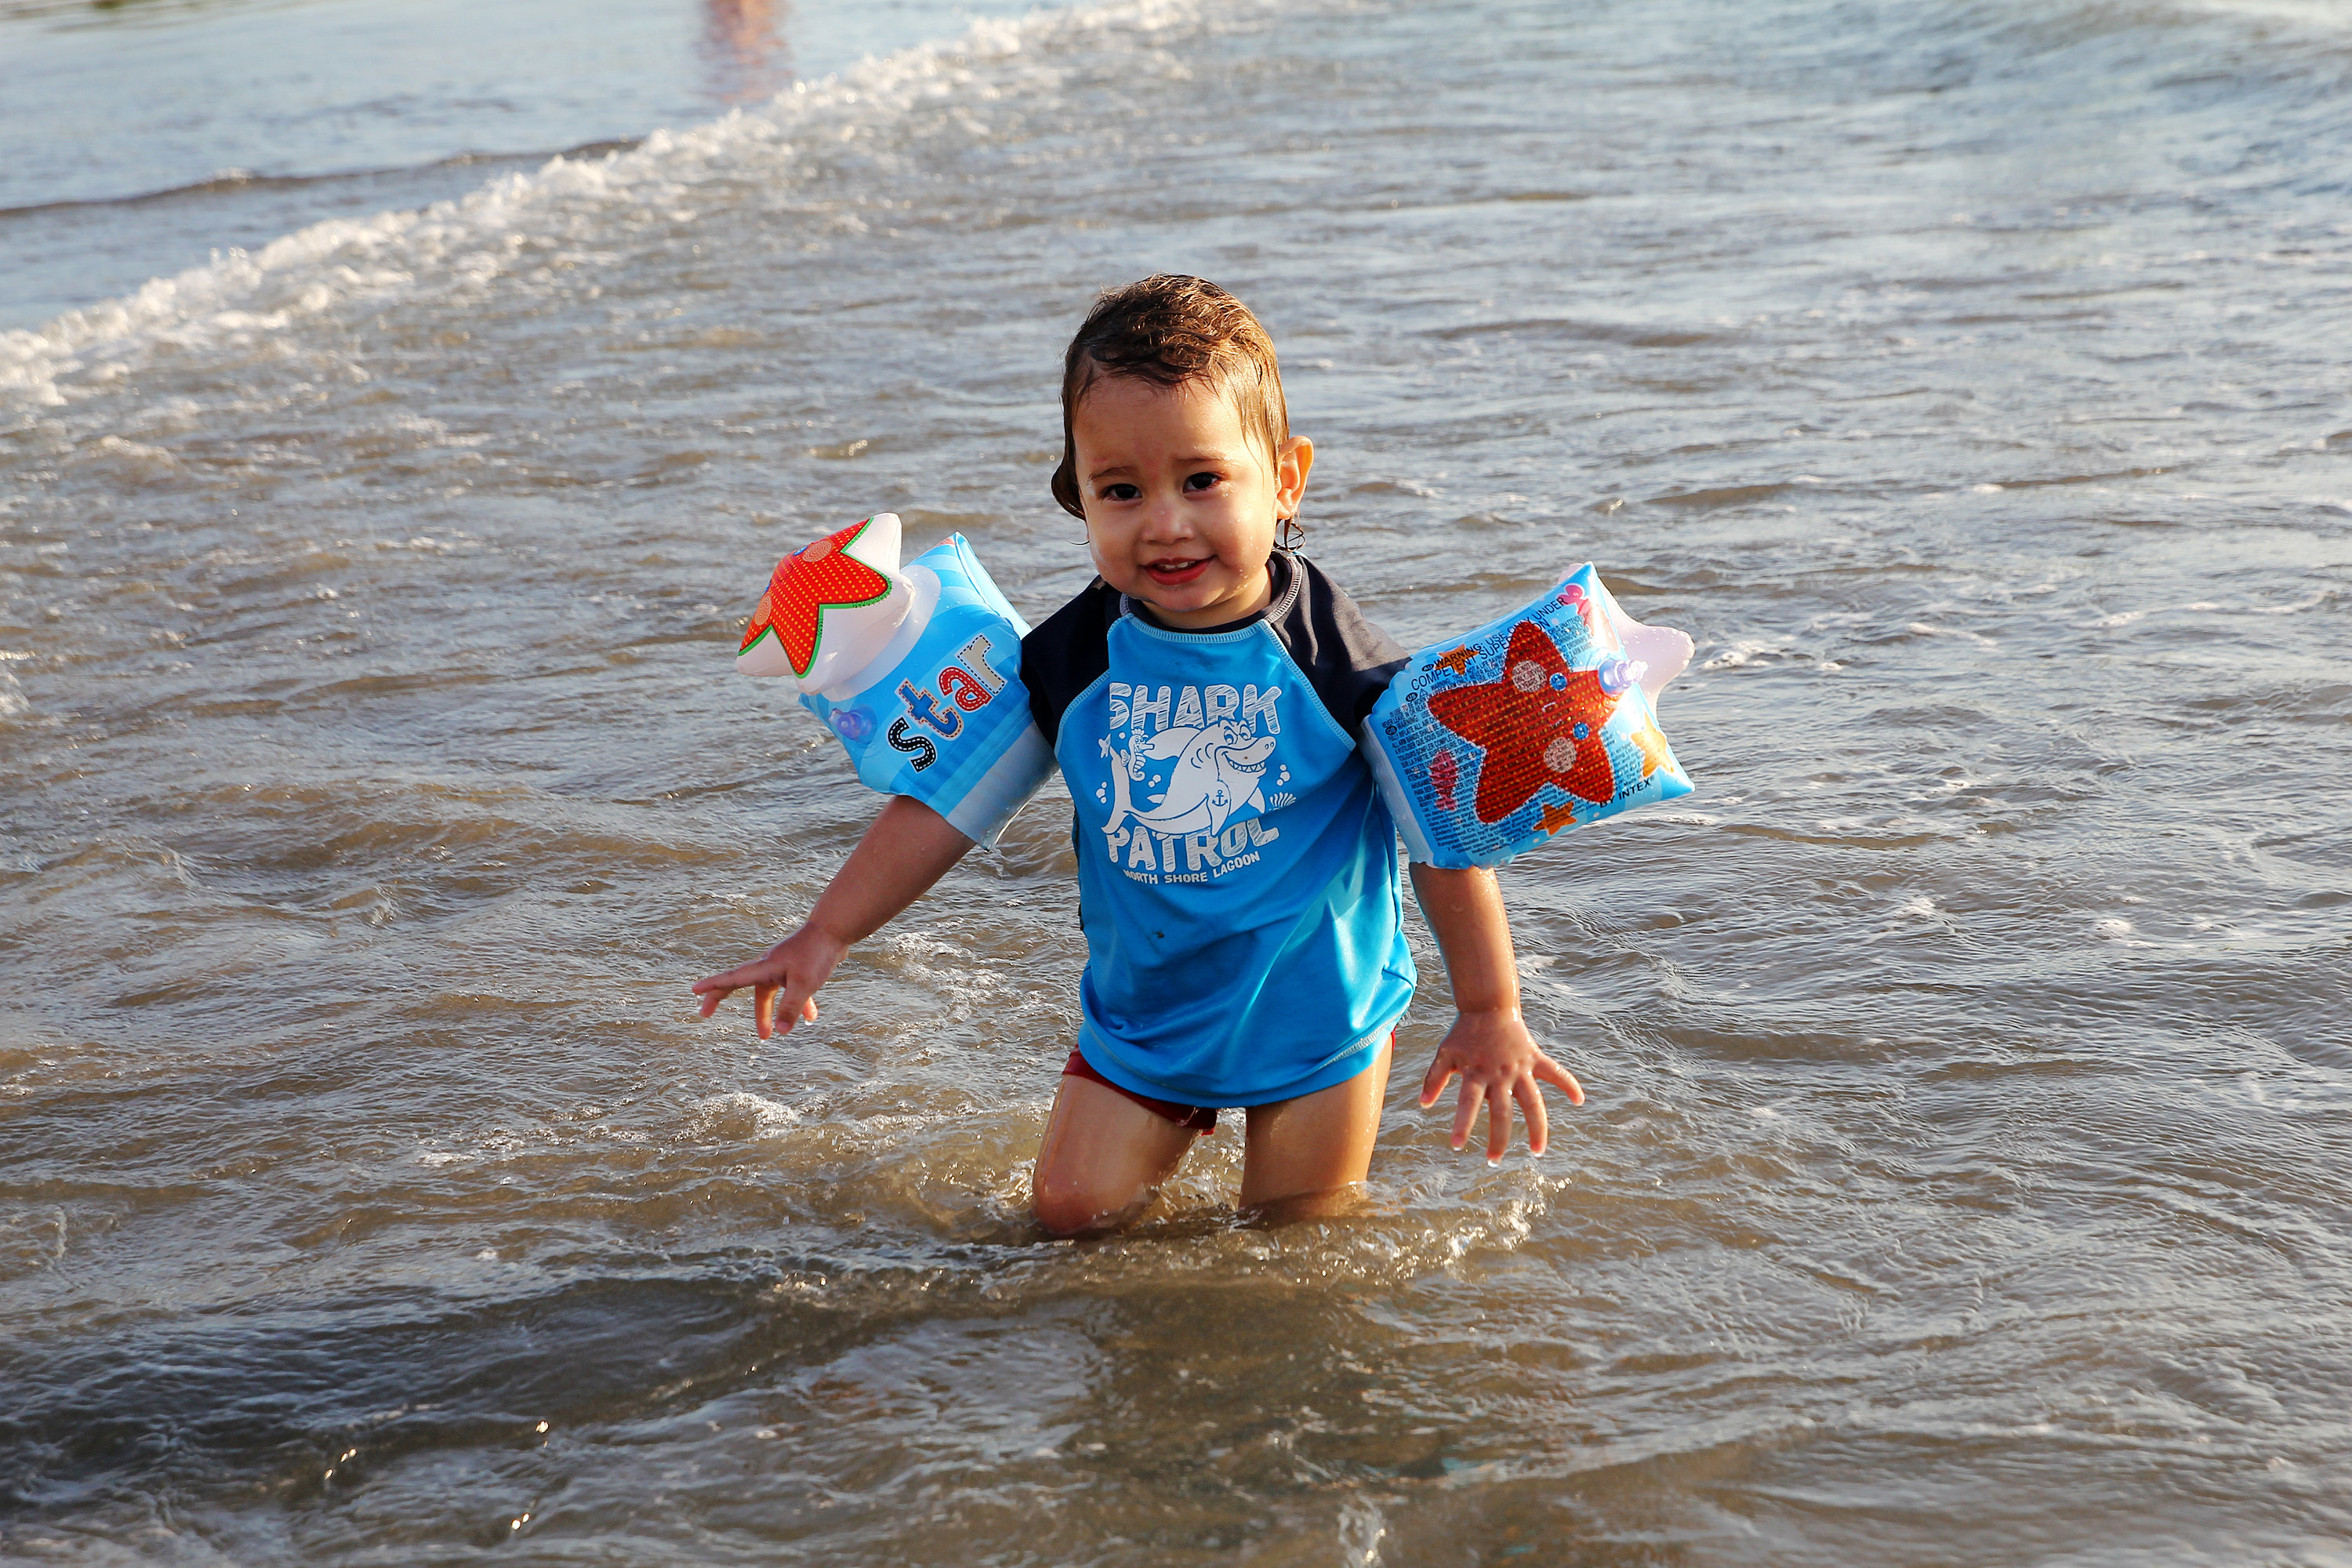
(1929, 629)
(2310, 601)
(1744, 652)
(2122, 618)
(714, 1112)
(242, 297)
(2325, 17)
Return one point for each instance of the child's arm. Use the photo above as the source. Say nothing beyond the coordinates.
(908, 847)
(1489, 1044)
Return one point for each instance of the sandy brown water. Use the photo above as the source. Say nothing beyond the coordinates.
(1964, 1179)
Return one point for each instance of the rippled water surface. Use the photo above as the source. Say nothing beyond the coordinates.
(1965, 1176)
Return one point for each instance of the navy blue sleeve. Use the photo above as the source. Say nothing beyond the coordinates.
(1066, 652)
(1348, 660)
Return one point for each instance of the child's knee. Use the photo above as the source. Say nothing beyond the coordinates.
(1077, 1208)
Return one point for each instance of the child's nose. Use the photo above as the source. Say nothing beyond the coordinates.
(1165, 520)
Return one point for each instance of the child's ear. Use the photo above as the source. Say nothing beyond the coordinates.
(1290, 466)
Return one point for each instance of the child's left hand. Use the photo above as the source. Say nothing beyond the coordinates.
(1499, 1061)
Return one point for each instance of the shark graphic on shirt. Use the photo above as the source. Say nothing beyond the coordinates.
(1216, 770)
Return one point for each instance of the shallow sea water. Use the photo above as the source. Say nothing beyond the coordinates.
(1965, 1175)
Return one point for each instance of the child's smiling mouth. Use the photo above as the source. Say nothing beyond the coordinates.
(1176, 573)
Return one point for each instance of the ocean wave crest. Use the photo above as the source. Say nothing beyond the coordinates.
(242, 297)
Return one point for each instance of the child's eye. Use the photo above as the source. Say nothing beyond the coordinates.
(1204, 481)
(1122, 493)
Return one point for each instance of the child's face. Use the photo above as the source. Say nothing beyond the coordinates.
(1181, 505)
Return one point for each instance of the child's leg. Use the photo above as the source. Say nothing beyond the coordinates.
(1305, 1154)
(1103, 1157)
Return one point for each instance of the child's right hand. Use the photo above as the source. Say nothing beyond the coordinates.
(790, 974)
(908, 847)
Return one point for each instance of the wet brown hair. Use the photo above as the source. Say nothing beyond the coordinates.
(1172, 331)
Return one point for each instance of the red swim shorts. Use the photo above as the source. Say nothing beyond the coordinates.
(1200, 1119)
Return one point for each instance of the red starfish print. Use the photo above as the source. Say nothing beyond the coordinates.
(806, 582)
(1540, 724)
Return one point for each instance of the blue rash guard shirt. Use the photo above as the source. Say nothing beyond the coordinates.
(1237, 869)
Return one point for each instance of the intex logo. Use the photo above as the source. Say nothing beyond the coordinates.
(968, 685)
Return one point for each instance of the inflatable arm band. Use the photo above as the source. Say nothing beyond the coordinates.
(1487, 745)
(917, 671)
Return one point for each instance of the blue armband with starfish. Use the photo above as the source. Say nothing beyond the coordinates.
(916, 671)
(1489, 744)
